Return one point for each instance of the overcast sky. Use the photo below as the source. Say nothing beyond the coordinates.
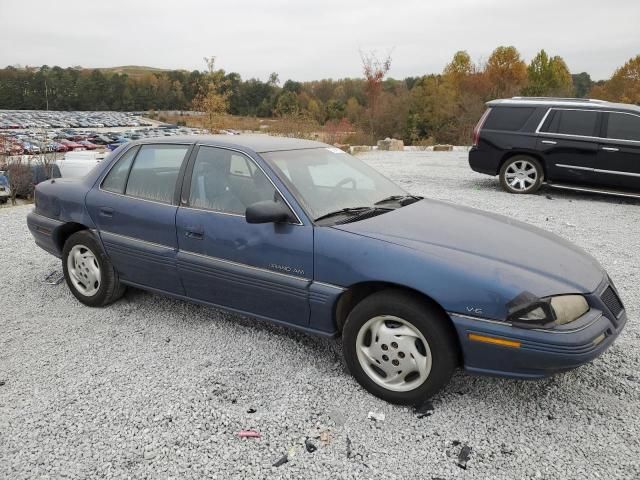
(312, 40)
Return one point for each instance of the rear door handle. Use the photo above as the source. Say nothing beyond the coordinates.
(106, 212)
(549, 142)
(610, 149)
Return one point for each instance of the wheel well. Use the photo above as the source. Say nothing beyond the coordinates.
(537, 156)
(62, 233)
(358, 292)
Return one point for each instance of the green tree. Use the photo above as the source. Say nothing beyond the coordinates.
(548, 77)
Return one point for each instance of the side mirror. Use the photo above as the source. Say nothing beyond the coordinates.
(267, 211)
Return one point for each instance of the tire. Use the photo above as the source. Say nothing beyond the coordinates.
(88, 272)
(521, 174)
(427, 336)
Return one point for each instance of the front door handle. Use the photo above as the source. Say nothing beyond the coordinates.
(549, 142)
(194, 232)
(610, 149)
(106, 212)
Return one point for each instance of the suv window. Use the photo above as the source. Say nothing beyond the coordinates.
(117, 177)
(155, 171)
(508, 118)
(623, 126)
(227, 182)
(572, 122)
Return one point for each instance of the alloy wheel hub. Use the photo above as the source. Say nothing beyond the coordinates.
(393, 353)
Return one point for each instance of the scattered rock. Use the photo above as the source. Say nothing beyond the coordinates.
(309, 445)
(252, 410)
(360, 149)
(443, 148)
(391, 144)
(424, 410)
(376, 416)
(284, 459)
(325, 437)
(463, 456)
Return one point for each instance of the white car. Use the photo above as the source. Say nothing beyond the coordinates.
(79, 163)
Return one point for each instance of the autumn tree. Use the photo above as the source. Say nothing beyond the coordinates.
(624, 85)
(548, 77)
(459, 68)
(213, 99)
(506, 72)
(374, 71)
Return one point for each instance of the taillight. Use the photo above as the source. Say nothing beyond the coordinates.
(478, 127)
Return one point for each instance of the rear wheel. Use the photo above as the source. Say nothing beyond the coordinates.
(399, 348)
(521, 174)
(88, 272)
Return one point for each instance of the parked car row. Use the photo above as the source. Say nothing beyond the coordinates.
(66, 140)
(17, 119)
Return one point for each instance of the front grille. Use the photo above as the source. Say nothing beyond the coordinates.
(611, 300)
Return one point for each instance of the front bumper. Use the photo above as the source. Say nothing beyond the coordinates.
(540, 353)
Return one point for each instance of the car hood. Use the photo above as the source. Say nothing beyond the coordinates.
(432, 226)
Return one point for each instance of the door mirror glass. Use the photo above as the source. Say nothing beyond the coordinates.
(268, 211)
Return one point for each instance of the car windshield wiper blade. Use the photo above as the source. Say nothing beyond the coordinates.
(343, 211)
(398, 198)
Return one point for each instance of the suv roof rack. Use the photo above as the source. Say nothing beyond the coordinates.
(561, 99)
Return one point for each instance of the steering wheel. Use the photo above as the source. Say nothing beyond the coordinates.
(346, 180)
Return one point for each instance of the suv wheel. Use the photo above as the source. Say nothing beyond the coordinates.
(88, 272)
(521, 174)
(399, 348)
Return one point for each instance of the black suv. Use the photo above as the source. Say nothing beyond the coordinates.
(576, 144)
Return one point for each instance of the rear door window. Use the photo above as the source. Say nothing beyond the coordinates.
(508, 118)
(155, 172)
(572, 122)
(117, 177)
(623, 126)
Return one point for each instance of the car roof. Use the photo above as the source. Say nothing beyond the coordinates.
(586, 103)
(259, 143)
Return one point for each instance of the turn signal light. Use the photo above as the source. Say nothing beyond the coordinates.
(494, 340)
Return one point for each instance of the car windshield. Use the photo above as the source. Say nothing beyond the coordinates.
(328, 180)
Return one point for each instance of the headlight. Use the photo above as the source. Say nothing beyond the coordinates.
(569, 308)
(529, 311)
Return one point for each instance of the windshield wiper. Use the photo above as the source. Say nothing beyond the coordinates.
(401, 199)
(343, 211)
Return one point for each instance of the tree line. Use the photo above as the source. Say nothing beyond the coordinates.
(439, 107)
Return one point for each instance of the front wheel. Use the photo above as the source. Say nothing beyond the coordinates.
(88, 272)
(400, 348)
(521, 174)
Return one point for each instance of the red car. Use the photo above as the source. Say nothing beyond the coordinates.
(88, 145)
(71, 145)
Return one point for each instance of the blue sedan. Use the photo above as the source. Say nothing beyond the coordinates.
(300, 233)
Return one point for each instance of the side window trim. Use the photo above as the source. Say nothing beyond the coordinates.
(113, 165)
(176, 195)
(185, 190)
(601, 124)
(605, 127)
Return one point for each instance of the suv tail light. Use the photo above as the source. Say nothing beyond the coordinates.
(478, 127)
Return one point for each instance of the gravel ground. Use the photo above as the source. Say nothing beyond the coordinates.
(155, 388)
